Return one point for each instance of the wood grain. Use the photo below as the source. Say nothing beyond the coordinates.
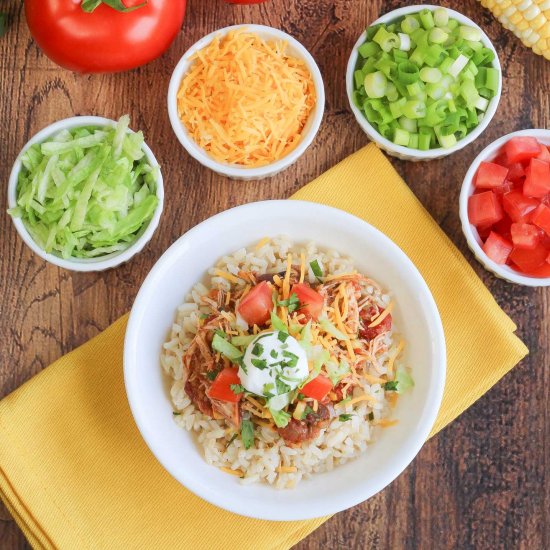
(482, 482)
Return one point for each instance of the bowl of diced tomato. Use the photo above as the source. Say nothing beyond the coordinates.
(505, 207)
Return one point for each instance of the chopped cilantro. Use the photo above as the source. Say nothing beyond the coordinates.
(258, 349)
(308, 410)
(260, 363)
(301, 396)
(204, 316)
(211, 374)
(293, 303)
(282, 336)
(236, 388)
(371, 416)
(345, 417)
(176, 413)
(281, 386)
(391, 385)
(247, 433)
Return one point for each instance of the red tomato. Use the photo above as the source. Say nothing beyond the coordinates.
(529, 260)
(484, 209)
(544, 153)
(517, 206)
(105, 40)
(525, 235)
(370, 333)
(490, 175)
(537, 181)
(318, 388)
(255, 308)
(497, 248)
(519, 149)
(542, 271)
(506, 187)
(221, 387)
(516, 172)
(311, 302)
(503, 227)
(541, 218)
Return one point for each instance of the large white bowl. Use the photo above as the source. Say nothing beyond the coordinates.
(399, 151)
(231, 170)
(187, 261)
(470, 232)
(100, 263)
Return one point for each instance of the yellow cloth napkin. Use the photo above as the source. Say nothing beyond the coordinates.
(75, 472)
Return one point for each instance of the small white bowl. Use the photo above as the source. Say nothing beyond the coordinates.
(231, 170)
(470, 231)
(399, 151)
(186, 262)
(84, 264)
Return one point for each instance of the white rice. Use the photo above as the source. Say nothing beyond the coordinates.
(338, 443)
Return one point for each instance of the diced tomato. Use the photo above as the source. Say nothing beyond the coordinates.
(317, 388)
(542, 271)
(544, 153)
(255, 308)
(367, 315)
(484, 231)
(490, 175)
(525, 235)
(541, 217)
(529, 260)
(519, 149)
(221, 387)
(537, 181)
(517, 206)
(484, 208)
(503, 227)
(516, 172)
(506, 187)
(311, 302)
(497, 248)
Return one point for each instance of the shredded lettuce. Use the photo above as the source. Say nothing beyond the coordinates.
(281, 418)
(86, 192)
(329, 327)
(337, 371)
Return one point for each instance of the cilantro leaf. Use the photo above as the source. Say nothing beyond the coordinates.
(211, 374)
(247, 433)
(237, 388)
(391, 385)
(345, 417)
(292, 303)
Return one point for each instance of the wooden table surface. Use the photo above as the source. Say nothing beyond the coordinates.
(482, 482)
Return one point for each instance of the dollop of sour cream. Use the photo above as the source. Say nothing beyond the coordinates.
(274, 364)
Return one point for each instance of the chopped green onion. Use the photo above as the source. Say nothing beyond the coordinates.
(375, 84)
(424, 67)
(247, 433)
(441, 17)
(469, 33)
(316, 268)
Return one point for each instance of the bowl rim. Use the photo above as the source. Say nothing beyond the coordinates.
(336, 503)
(238, 172)
(386, 144)
(469, 230)
(84, 264)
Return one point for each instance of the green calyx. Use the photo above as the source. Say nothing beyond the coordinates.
(90, 5)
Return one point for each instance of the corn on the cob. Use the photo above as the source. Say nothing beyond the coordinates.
(529, 20)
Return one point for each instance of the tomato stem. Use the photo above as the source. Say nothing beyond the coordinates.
(90, 5)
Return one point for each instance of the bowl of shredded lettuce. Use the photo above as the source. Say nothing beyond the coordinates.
(86, 193)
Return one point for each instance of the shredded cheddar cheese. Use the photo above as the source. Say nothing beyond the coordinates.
(262, 242)
(231, 278)
(302, 267)
(238, 473)
(246, 101)
(287, 469)
(382, 316)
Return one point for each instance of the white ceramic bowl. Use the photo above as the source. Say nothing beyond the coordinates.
(83, 264)
(230, 170)
(187, 261)
(399, 151)
(470, 231)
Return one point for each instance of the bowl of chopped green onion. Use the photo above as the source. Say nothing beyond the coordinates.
(423, 82)
(86, 193)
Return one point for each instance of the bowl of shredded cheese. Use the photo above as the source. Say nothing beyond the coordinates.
(246, 101)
